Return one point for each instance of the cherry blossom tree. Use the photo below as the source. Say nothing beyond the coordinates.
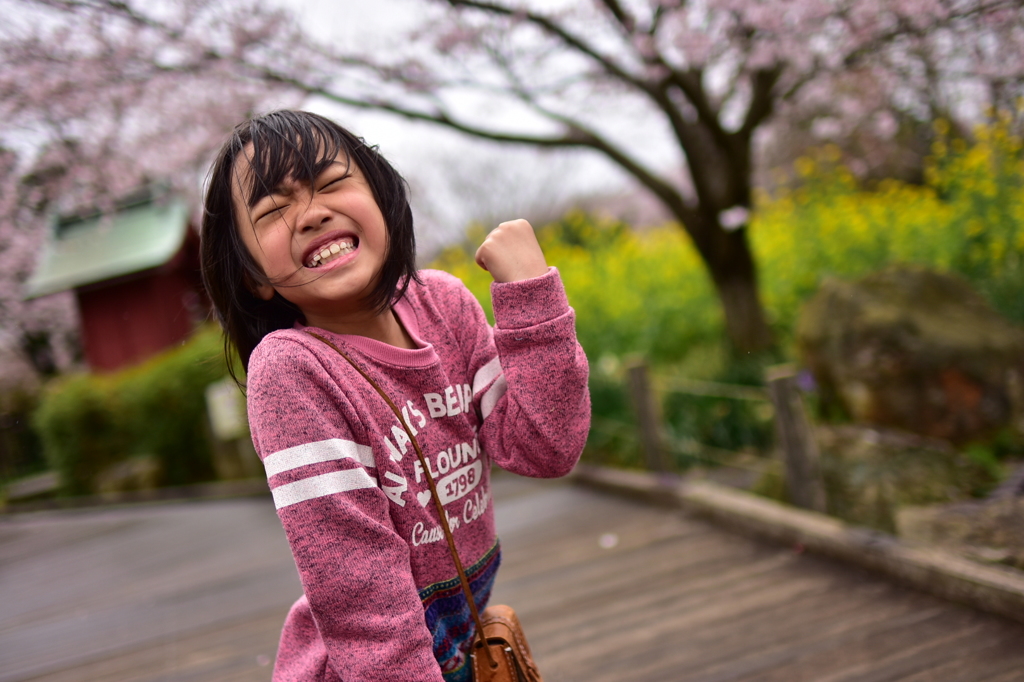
(673, 92)
(93, 107)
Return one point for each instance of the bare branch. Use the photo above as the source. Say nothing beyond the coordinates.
(762, 100)
(625, 19)
(659, 14)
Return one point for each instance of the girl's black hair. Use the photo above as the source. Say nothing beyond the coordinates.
(297, 145)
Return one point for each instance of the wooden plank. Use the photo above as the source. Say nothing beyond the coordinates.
(874, 654)
(81, 586)
(241, 651)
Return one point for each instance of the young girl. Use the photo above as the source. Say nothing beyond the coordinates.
(308, 229)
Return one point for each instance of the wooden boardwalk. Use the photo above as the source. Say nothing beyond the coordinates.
(607, 589)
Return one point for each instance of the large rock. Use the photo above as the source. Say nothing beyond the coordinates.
(916, 350)
(871, 473)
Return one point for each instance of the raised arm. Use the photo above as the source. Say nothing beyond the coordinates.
(533, 395)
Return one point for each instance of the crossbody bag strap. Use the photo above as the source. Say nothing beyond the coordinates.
(433, 494)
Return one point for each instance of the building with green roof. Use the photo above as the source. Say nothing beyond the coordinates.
(135, 274)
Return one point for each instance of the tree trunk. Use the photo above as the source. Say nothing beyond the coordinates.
(731, 264)
(719, 165)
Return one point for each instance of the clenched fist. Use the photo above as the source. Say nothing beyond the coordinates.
(511, 253)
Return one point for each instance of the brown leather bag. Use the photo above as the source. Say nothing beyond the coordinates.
(508, 648)
(500, 652)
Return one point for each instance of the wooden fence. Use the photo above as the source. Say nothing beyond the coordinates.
(794, 436)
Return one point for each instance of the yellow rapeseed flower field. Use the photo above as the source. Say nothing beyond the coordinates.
(647, 291)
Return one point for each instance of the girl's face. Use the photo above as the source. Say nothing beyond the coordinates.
(321, 246)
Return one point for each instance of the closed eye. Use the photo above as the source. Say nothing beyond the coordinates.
(276, 208)
(332, 182)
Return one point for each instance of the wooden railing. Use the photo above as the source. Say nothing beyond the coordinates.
(795, 443)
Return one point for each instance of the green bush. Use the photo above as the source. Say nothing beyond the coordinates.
(721, 423)
(613, 437)
(81, 426)
(87, 422)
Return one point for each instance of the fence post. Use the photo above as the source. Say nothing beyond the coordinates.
(647, 418)
(796, 440)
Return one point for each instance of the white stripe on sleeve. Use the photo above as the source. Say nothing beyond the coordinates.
(320, 486)
(486, 375)
(490, 398)
(313, 453)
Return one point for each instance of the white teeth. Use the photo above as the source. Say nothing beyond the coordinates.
(329, 253)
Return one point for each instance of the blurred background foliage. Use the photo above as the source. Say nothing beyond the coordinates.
(637, 293)
(89, 422)
(967, 217)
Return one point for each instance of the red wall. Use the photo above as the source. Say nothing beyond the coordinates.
(126, 320)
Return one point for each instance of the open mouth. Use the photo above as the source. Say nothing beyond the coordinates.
(332, 251)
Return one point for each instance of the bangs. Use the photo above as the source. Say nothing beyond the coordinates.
(289, 147)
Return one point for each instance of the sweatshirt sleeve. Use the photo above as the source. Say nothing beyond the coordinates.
(354, 567)
(532, 395)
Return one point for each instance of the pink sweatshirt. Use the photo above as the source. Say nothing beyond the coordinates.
(382, 598)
